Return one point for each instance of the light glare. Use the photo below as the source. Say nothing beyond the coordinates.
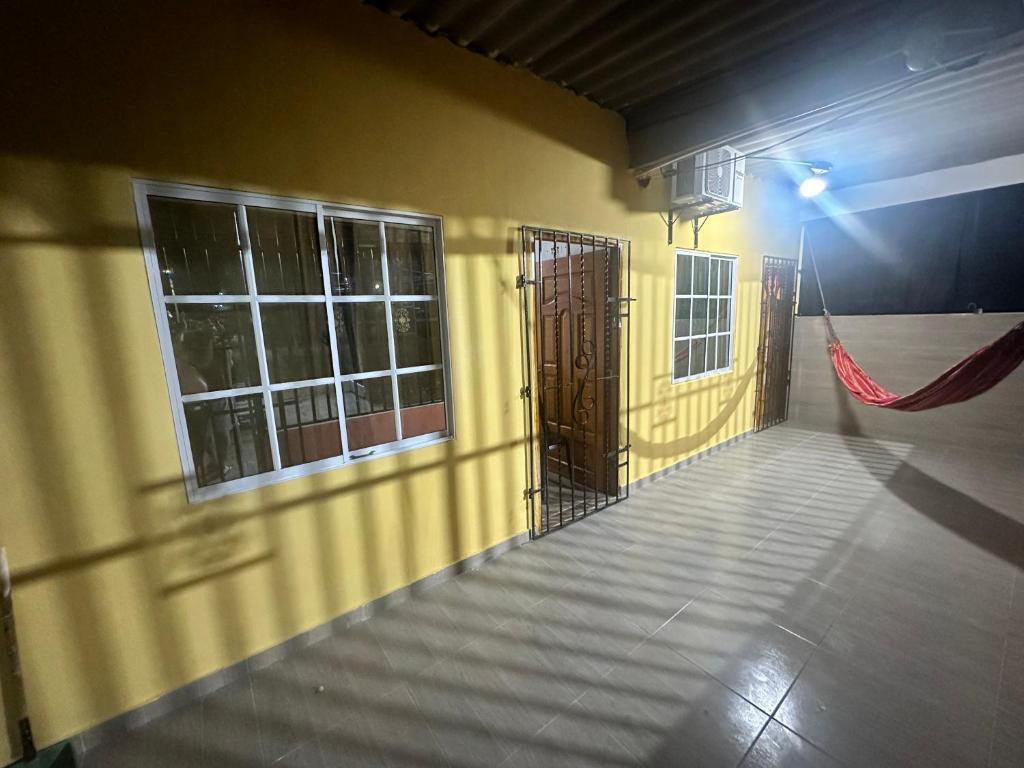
(813, 186)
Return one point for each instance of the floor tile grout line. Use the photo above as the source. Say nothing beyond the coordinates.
(296, 748)
(614, 667)
(589, 688)
(754, 742)
(817, 649)
(797, 635)
(426, 721)
(795, 512)
(791, 515)
(707, 672)
(798, 734)
(816, 646)
(705, 590)
(671, 618)
(1002, 673)
(568, 706)
(783, 522)
(776, 457)
(620, 661)
(782, 701)
(255, 716)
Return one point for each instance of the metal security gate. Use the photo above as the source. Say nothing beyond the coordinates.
(775, 349)
(575, 326)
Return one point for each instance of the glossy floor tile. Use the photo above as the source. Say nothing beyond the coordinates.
(798, 599)
(779, 746)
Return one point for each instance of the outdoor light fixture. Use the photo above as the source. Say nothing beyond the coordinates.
(813, 185)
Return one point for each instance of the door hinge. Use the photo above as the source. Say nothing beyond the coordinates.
(525, 392)
(529, 493)
(522, 281)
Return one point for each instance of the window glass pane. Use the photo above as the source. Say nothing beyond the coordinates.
(699, 325)
(700, 275)
(353, 257)
(714, 276)
(682, 318)
(724, 314)
(307, 424)
(298, 346)
(417, 333)
(697, 351)
(422, 399)
(362, 332)
(197, 247)
(214, 346)
(411, 267)
(285, 251)
(228, 438)
(723, 351)
(712, 352)
(681, 361)
(712, 315)
(725, 278)
(684, 271)
(369, 412)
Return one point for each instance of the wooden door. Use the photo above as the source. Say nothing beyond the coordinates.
(774, 354)
(578, 292)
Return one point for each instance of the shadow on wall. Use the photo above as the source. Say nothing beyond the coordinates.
(118, 555)
(713, 424)
(255, 75)
(95, 453)
(957, 512)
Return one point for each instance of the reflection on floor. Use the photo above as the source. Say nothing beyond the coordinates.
(799, 599)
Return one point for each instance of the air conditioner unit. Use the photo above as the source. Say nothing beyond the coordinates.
(709, 182)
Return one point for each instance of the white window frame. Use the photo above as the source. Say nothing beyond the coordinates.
(143, 189)
(723, 258)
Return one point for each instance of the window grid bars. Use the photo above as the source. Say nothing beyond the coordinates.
(257, 322)
(254, 298)
(290, 298)
(285, 386)
(392, 356)
(240, 201)
(730, 264)
(332, 332)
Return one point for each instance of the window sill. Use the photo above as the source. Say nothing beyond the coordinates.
(198, 495)
(699, 376)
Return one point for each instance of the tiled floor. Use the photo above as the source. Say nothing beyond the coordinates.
(798, 599)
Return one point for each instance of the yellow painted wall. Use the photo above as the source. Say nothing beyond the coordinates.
(117, 600)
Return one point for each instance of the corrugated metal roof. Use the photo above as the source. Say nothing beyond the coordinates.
(957, 118)
(692, 74)
(621, 53)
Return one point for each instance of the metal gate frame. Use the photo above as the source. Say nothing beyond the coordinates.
(772, 333)
(532, 392)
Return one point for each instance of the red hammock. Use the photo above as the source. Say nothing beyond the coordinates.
(976, 373)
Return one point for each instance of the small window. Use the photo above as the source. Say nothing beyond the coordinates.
(297, 336)
(704, 306)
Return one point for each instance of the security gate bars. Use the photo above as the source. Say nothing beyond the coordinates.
(775, 349)
(573, 314)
